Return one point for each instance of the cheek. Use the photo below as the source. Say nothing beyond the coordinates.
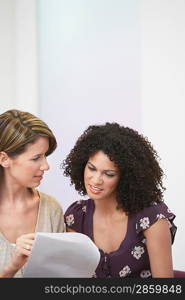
(29, 170)
(86, 174)
(113, 185)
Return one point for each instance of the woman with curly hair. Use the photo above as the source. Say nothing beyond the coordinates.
(25, 143)
(124, 214)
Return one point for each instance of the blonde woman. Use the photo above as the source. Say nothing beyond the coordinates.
(25, 143)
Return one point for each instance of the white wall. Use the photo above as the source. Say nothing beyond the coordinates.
(18, 55)
(7, 55)
(163, 100)
(89, 73)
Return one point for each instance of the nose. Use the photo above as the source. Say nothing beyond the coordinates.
(97, 179)
(44, 166)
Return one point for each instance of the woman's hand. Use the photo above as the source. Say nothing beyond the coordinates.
(20, 254)
(22, 250)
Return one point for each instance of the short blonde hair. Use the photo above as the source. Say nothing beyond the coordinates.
(19, 128)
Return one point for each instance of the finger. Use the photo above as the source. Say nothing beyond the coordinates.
(24, 237)
(19, 251)
(27, 247)
(24, 252)
(28, 236)
(29, 242)
(24, 244)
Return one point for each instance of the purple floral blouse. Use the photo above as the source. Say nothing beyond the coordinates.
(131, 258)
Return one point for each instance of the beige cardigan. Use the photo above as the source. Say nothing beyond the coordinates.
(50, 219)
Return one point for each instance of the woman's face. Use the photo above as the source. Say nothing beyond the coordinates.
(101, 177)
(27, 169)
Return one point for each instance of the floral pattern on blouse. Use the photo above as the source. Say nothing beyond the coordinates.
(160, 216)
(137, 252)
(84, 208)
(70, 220)
(145, 274)
(144, 223)
(125, 271)
(131, 259)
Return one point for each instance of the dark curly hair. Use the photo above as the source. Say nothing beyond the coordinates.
(140, 183)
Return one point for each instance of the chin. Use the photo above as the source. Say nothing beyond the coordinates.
(95, 196)
(34, 185)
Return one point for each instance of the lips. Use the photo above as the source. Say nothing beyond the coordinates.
(39, 177)
(95, 189)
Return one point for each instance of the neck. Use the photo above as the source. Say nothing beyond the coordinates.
(13, 193)
(105, 206)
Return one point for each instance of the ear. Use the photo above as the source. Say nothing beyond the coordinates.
(4, 159)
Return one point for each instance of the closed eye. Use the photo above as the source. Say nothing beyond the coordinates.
(91, 168)
(35, 159)
(38, 157)
(109, 175)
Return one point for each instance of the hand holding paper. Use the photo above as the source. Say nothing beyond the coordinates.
(62, 255)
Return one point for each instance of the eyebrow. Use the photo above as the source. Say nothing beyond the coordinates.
(37, 155)
(104, 170)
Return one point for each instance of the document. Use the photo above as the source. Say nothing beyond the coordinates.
(68, 255)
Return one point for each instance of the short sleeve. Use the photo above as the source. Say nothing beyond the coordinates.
(75, 215)
(149, 215)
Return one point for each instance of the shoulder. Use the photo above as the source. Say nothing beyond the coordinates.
(151, 214)
(79, 205)
(75, 212)
(50, 214)
(50, 202)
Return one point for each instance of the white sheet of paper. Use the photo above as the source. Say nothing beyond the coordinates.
(68, 254)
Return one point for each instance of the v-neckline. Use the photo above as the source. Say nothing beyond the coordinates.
(123, 243)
